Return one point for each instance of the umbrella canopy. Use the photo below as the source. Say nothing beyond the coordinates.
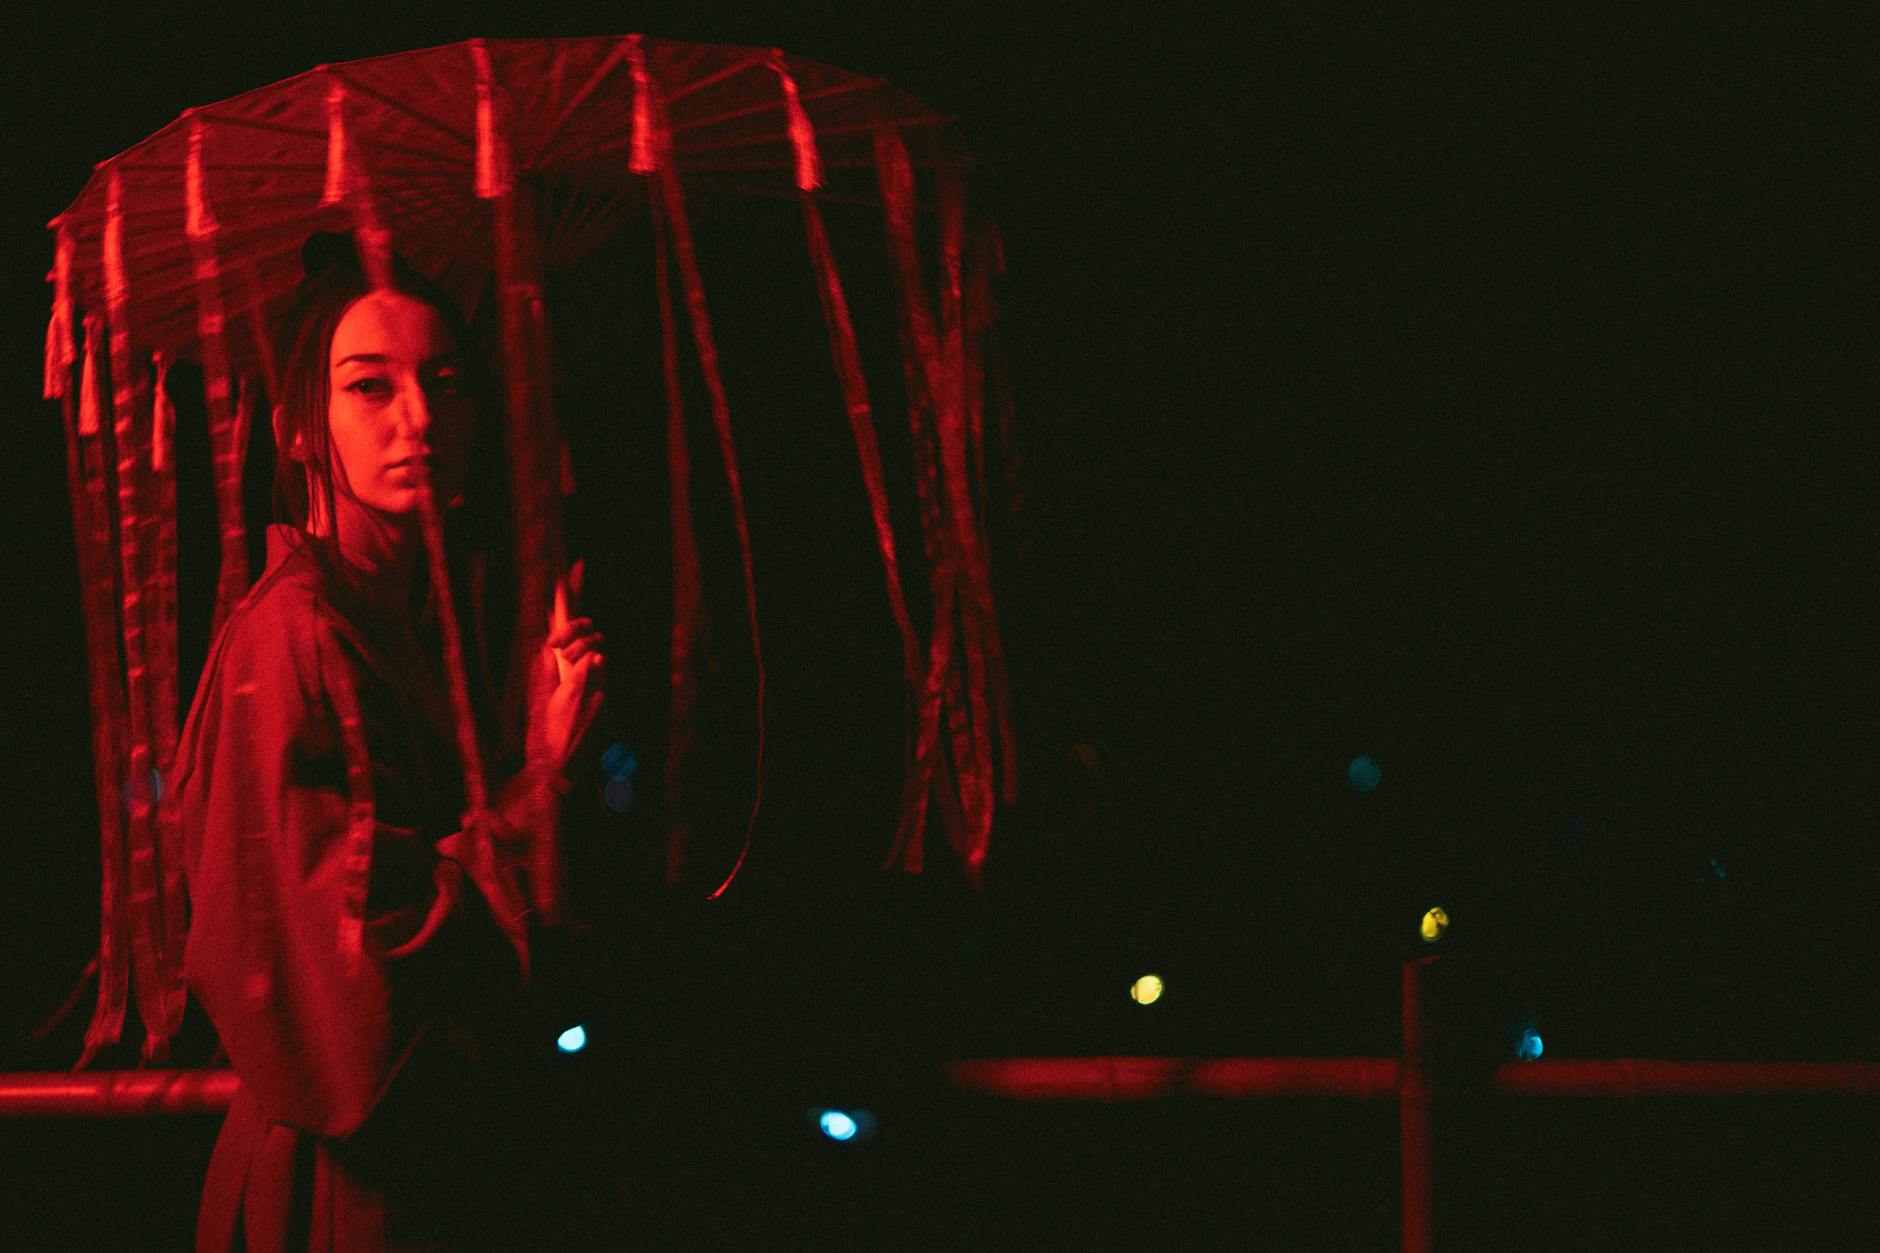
(486, 165)
(426, 131)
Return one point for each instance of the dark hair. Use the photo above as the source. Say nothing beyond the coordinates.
(333, 281)
(478, 534)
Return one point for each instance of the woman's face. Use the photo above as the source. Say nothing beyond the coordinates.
(398, 412)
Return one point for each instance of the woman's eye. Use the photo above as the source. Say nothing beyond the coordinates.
(447, 385)
(369, 386)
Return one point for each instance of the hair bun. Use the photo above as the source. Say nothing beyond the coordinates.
(325, 252)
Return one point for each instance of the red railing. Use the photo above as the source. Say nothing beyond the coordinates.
(137, 1093)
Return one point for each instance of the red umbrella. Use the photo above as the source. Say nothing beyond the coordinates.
(511, 159)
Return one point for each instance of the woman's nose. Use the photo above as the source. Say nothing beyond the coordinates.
(415, 411)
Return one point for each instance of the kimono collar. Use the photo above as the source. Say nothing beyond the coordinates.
(372, 589)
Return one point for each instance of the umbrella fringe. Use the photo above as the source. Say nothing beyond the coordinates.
(642, 158)
(494, 175)
(957, 713)
(848, 365)
(537, 509)
(809, 175)
(212, 331)
(85, 474)
(688, 606)
(136, 559)
(59, 352)
(672, 205)
(169, 994)
(934, 366)
(348, 183)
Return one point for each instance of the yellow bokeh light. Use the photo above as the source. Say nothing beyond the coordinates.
(1435, 922)
(1146, 990)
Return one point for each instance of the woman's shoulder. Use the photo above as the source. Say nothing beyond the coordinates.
(280, 624)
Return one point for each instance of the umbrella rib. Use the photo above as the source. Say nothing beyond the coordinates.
(616, 143)
(166, 167)
(319, 136)
(839, 89)
(823, 196)
(598, 210)
(751, 141)
(718, 76)
(595, 79)
(735, 167)
(414, 114)
(561, 219)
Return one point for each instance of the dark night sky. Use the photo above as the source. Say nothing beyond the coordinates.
(1481, 394)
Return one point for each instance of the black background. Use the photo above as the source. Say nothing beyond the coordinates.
(1484, 393)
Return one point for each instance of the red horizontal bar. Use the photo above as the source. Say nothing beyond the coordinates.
(1628, 1077)
(133, 1093)
(1367, 1078)
(1141, 1078)
(117, 1093)
(1071, 1078)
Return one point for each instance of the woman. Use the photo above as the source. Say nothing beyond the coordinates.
(355, 941)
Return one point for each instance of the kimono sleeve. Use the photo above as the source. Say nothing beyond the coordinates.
(316, 931)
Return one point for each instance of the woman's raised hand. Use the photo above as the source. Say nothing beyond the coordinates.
(567, 688)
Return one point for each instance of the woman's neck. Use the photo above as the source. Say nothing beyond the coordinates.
(382, 551)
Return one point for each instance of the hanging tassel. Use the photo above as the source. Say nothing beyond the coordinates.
(244, 419)
(979, 319)
(688, 604)
(133, 558)
(955, 548)
(163, 418)
(809, 174)
(59, 351)
(507, 911)
(470, 756)
(538, 518)
(356, 861)
(90, 417)
(930, 773)
(212, 334)
(347, 183)
(338, 165)
(85, 483)
(170, 993)
(847, 357)
(199, 221)
(644, 149)
(494, 176)
(672, 202)
(258, 331)
(976, 771)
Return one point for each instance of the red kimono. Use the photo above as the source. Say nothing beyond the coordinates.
(343, 936)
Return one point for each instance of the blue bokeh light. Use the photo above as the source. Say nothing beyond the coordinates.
(618, 794)
(619, 761)
(1530, 1046)
(1363, 773)
(573, 1040)
(837, 1125)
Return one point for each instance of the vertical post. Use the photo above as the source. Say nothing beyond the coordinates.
(1413, 1096)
